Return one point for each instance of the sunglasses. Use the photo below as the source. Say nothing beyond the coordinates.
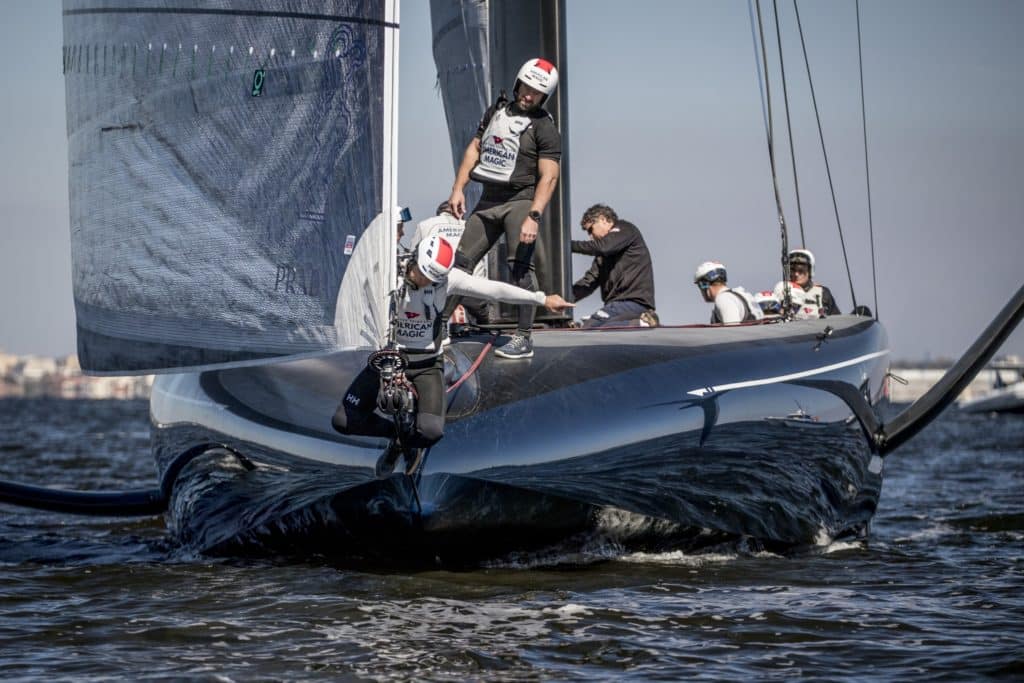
(799, 270)
(588, 227)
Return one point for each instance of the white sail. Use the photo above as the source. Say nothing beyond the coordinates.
(231, 178)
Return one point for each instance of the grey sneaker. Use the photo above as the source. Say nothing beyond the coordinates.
(518, 346)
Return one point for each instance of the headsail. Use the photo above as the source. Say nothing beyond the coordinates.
(231, 178)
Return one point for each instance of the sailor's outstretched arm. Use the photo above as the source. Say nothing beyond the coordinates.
(469, 285)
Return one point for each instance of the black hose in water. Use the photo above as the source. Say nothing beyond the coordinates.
(112, 504)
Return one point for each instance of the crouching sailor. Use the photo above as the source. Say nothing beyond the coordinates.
(409, 405)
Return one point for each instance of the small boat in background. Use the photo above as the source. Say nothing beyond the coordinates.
(1005, 396)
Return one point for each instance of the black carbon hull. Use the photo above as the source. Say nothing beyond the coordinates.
(674, 437)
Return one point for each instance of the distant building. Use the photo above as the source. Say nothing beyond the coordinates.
(63, 378)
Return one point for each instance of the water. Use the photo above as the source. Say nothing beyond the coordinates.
(937, 591)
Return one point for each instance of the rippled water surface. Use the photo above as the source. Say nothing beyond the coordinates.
(937, 592)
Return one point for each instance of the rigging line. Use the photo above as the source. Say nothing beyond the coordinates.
(757, 65)
(867, 171)
(824, 153)
(789, 126)
(787, 295)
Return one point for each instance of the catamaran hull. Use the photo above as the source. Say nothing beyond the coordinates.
(672, 437)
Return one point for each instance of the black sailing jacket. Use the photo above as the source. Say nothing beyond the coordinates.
(621, 268)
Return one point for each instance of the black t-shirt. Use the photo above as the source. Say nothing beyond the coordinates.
(540, 140)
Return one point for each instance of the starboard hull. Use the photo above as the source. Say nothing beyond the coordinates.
(645, 438)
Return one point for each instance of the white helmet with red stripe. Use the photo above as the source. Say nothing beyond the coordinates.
(539, 74)
(435, 258)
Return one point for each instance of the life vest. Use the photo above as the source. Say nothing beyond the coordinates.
(499, 147)
(751, 310)
(806, 304)
(418, 324)
(445, 225)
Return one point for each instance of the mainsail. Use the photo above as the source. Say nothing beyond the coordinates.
(231, 178)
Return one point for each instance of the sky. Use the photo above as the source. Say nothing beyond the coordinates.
(666, 126)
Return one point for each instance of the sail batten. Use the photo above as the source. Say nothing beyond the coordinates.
(230, 176)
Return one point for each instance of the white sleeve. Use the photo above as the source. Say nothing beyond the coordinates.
(470, 285)
(730, 308)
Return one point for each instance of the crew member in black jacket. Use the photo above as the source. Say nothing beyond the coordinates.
(621, 268)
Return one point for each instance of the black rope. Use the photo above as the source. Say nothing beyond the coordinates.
(867, 171)
(824, 153)
(757, 65)
(789, 126)
(787, 298)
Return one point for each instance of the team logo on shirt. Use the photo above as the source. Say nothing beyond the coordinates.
(411, 315)
(498, 140)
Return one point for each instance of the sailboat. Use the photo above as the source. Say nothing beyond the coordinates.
(232, 229)
(1004, 396)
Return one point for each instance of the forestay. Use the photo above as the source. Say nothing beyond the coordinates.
(230, 164)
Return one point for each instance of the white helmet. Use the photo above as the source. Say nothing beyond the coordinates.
(802, 257)
(539, 74)
(435, 258)
(710, 271)
(769, 303)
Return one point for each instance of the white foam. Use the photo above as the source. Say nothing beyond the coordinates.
(679, 558)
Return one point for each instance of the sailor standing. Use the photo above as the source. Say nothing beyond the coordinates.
(515, 155)
(429, 279)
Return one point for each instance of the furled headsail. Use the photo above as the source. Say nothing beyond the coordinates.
(231, 175)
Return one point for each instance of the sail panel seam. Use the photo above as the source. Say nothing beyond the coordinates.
(232, 13)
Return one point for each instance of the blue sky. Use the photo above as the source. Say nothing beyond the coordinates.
(666, 126)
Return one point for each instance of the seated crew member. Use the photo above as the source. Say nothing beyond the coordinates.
(444, 224)
(621, 268)
(732, 304)
(429, 280)
(809, 299)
